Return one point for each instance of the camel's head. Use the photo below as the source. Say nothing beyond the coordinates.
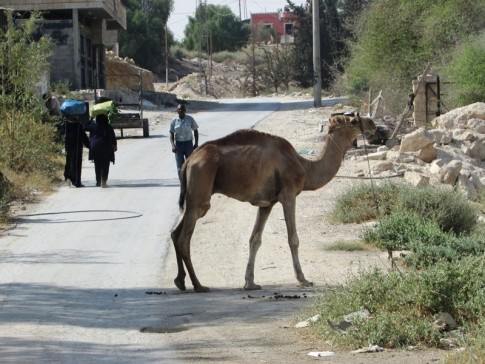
(352, 123)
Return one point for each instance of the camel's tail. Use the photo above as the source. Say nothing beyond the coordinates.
(183, 186)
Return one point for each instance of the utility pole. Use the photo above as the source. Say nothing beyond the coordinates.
(201, 21)
(317, 81)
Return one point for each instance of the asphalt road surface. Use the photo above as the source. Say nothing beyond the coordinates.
(80, 271)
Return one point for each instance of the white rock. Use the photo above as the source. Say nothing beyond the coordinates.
(477, 125)
(377, 156)
(416, 140)
(383, 166)
(449, 173)
(416, 179)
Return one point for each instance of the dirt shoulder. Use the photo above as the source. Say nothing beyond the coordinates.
(235, 326)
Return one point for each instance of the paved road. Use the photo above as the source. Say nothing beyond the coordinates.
(76, 269)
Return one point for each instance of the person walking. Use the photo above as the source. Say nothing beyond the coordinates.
(181, 129)
(103, 145)
(75, 140)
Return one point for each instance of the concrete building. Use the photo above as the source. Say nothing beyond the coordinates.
(81, 31)
(279, 24)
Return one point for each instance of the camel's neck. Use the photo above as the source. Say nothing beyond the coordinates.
(324, 169)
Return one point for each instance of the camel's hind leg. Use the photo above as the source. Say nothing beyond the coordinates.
(289, 211)
(254, 244)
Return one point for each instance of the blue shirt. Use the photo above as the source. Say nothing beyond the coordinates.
(182, 128)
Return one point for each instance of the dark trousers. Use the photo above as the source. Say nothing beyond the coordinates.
(101, 168)
(183, 151)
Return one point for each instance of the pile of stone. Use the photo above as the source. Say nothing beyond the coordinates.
(123, 74)
(450, 153)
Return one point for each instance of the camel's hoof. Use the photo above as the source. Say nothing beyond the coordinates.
(180, 283)
(251, 287)
(201, 289)
(305, 284)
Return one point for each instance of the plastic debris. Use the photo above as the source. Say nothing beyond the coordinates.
(306, 150)
(369, 349)
(347, 322)
(307, 322)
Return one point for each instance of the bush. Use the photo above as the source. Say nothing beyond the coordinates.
(396, 231)
(364, 202)
(402, 306)
(449, 209)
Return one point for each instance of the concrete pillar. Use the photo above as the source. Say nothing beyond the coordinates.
(425, 100)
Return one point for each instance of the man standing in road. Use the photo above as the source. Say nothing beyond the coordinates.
(181, 129)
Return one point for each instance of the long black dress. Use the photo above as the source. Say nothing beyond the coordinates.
(76, 138)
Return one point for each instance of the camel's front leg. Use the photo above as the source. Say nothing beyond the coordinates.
(184, 230)
(289, 211)
(180, 279)
(254, 244)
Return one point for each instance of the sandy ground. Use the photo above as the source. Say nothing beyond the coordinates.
(258, 333)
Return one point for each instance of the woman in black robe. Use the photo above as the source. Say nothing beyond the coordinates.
(103, 145)
(75, 139)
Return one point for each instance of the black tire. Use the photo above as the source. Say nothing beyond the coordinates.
(146, 129)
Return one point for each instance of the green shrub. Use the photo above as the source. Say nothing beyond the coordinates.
(396, 231)
(27, 145)
(365, 202)
(449, 209)
(402, 306)
(467, 72)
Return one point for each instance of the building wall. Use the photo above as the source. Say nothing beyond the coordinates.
(73, 60)
(81, 31)
(62, 63)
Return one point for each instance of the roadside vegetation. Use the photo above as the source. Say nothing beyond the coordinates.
(440, 269)
(30, 157)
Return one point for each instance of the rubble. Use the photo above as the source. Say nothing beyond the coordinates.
(123, 74)
(451, 153)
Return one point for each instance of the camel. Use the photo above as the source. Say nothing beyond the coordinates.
(261, 169)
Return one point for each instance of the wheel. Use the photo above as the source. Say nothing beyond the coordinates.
(146, 129)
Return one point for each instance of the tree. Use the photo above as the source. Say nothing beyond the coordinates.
(276, 69)
(144, 38)
(226, 31)
(332, 42)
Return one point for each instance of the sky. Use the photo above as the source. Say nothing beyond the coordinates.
(185, 8)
